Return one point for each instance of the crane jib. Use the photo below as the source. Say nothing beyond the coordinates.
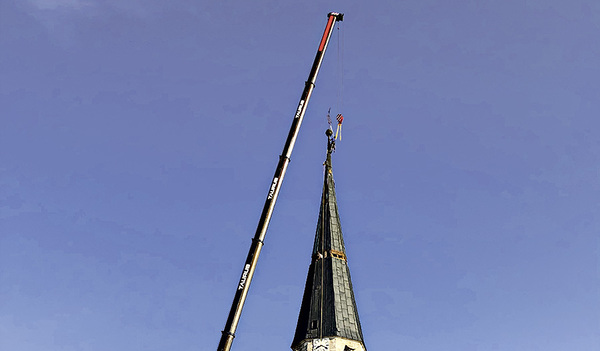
(257, 241)
(326, 34)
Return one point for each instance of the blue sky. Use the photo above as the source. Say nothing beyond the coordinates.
(138, 140)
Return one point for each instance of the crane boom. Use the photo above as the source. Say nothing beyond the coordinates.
(257, 242)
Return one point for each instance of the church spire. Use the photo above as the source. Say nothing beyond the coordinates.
(328, 317)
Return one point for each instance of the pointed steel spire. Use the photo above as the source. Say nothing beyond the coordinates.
(328, 309)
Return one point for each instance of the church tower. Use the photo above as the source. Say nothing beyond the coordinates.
(328, 319)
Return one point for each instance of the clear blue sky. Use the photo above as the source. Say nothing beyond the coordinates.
(138, 140)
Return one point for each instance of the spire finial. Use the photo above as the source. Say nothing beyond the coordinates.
(330, 141)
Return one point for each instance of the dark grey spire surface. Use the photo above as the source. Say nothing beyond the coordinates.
(328, 307)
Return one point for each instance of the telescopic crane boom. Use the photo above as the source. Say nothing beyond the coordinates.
(284, 159)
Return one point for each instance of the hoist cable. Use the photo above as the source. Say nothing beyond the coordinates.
(340, 69)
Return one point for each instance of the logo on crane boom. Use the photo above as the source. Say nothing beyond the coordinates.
(244, 277)
(273, 186)
(299, 109)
